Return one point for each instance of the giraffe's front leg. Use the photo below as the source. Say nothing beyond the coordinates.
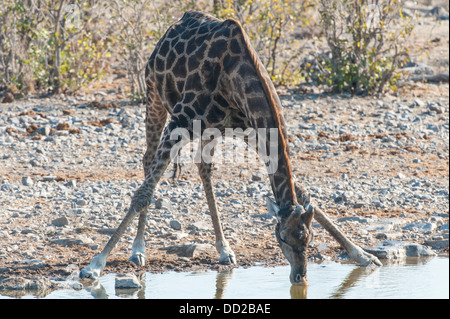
(226, 254)
(138, 255)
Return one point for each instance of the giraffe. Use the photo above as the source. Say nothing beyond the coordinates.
(204, 69)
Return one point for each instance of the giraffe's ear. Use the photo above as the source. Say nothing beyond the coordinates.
(273, 207)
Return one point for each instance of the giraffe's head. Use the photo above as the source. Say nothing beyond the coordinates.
(294, 233)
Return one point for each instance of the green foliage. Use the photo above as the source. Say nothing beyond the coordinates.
(366, 39)
(16, 32)
(64, 45)
(53, 43)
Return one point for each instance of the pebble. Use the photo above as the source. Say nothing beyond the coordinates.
(69, 241)
(193, 250)
(60, 222)
(72, 183)
(421, 226)
(175, 224)
(162, 203)
(20, 283)
(27, 181)
(127, 281)
(392, 250)
(419, 102)
(49, 178)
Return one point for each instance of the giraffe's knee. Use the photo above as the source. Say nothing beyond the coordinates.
(141, 200)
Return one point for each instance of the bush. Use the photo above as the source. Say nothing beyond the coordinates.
(60, 45)
(17, 22)
(51, 44)
(57, 45)
(366, 40)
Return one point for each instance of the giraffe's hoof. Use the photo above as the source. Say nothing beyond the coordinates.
(138, 259)
(85, 273)
(367, 259)
(227, 259)
(94, 269)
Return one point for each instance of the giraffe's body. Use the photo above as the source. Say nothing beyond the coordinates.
(204, 69)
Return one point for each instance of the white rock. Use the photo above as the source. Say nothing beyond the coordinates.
(127, 281)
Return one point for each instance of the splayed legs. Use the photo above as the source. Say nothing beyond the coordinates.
(139, 203)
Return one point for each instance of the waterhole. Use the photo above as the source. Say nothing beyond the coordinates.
(415, 278)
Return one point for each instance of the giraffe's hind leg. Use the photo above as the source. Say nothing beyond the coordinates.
(156, 116)
(226, 253)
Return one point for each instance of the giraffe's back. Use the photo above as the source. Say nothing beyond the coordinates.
(193, 56)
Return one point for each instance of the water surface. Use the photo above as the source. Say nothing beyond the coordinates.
(414, 278)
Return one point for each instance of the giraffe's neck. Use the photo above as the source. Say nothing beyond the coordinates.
(271, 131)
(281, 189)
(268, 109)
(279, 170)
(256, 96)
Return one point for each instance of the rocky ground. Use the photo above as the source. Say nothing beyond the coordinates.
(378, 166)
